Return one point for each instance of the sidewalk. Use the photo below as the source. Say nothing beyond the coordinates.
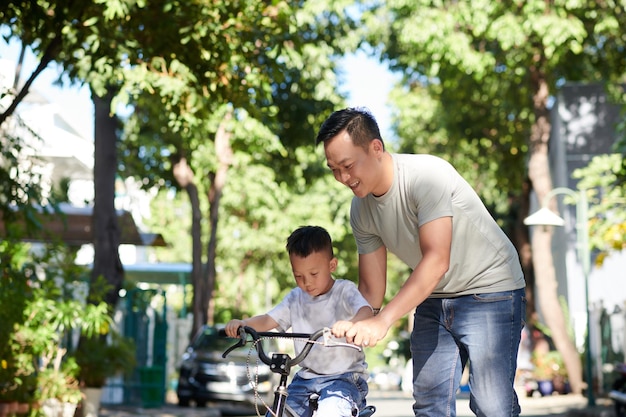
(569, 405)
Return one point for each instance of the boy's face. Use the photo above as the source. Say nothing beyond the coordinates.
(313, 273)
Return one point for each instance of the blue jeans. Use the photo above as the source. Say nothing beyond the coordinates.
(339, 394)
(484, 329)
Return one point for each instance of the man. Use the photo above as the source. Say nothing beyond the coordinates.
(466, 279)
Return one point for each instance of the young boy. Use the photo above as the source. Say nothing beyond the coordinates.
(337, 374)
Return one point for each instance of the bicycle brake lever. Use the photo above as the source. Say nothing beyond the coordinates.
(240, 343)
(329, 340)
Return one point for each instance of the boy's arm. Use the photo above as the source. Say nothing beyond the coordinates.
(261, 323)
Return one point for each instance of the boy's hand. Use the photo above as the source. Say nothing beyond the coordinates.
(232, 327)
(367, 332)
(341, 327)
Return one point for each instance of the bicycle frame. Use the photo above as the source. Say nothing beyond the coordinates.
(282, 363)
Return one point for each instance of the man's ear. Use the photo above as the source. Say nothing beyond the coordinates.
(376, 146)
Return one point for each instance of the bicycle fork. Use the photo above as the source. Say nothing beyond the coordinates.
(280, 365)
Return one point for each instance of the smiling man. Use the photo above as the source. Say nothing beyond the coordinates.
(466, 279)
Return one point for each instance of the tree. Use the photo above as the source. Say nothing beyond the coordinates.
(203, 56)
(607, 228)
(268, 96)
(486, 72)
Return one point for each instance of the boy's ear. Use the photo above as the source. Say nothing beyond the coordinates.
(333, 264)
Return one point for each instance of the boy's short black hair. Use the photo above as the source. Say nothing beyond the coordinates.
(306, 240)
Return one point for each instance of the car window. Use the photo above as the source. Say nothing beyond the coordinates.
(212, 342)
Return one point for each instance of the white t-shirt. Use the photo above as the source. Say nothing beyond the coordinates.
(425, 188)
(305, 314)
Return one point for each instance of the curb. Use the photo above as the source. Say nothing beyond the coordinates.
(165, 411)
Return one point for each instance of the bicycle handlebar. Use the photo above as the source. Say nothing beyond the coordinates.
(245, 330)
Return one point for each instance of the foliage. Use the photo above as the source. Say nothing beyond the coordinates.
(607, 198)
(59, 381)
(271, 64)
(467, 88)
(56, 308)
(548, 366)
(99, 358)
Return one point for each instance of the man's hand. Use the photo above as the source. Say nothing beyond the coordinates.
(367, 332)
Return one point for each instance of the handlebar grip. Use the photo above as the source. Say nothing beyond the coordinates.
(222, 333)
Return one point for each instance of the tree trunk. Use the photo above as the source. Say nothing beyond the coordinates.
(224, 152)
(539, 174)
(185, 178)
(106, 230)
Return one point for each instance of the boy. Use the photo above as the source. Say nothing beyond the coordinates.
(338, 374)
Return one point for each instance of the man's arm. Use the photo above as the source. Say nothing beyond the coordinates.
(373, 276)
(435, 243)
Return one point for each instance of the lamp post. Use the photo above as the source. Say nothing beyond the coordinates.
(546, 217)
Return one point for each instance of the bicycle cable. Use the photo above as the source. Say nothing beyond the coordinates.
(257, 396)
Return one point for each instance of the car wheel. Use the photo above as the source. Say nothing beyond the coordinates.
(183, 401)
(200, 403)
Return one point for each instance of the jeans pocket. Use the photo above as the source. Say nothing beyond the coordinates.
(492, 297)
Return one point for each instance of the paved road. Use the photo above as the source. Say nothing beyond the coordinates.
(399, 404)
(390, 404)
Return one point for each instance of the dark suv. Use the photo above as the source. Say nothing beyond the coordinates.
(206, 376)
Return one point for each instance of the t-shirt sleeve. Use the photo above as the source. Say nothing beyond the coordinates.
(281, 313)
(353, 299)
(366, 242)
(432, 196)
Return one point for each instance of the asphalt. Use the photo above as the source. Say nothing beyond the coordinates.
(392, 404)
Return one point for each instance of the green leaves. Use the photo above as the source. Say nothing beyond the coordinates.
(607, 200)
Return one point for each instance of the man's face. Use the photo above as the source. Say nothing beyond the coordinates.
(353, 166)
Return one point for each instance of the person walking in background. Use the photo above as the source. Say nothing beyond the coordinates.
(339, 374)
(466, 284)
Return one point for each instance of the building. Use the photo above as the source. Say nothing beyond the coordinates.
(584, 125)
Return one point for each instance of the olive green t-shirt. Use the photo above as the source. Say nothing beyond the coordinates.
(425, 188)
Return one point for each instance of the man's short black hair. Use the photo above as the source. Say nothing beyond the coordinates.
(357, 121)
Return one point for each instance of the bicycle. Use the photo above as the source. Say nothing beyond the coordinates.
(281, 363)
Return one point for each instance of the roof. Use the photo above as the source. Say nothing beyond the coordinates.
(74, 227)
(158, 273)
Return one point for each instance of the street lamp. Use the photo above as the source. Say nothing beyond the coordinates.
(546, 217)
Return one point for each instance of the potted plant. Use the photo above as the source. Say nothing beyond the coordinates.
(58, 389)
(549, 370)
(100, 357)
